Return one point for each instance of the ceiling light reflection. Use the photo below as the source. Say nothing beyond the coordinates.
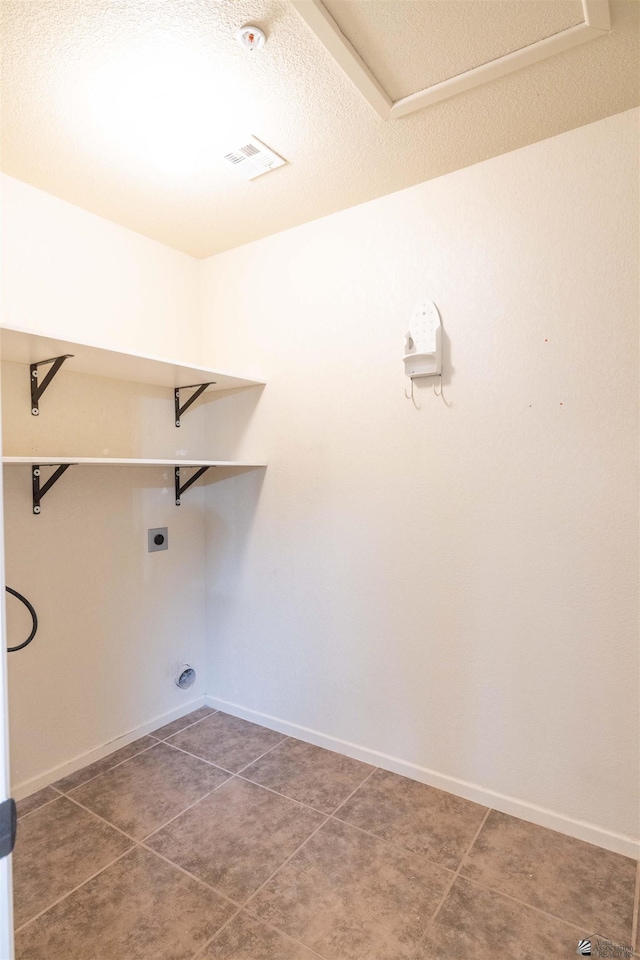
(169, 106)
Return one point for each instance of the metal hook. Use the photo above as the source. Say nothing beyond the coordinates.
(441, 394)
(411, 397)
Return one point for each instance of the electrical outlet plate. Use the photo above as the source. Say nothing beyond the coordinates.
(158, 539)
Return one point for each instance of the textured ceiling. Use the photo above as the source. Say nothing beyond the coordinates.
(411, 44)
(124, 106)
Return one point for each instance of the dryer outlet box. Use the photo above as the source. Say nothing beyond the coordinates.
(158, 539)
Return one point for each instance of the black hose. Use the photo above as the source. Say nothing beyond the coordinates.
(34, 617)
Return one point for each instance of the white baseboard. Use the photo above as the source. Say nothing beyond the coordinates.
(580, 829)
(21, 790)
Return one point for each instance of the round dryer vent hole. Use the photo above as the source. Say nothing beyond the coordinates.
(186, 677)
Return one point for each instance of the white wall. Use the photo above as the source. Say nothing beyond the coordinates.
(454, 587)
(449, 591)
(114, 620)
(68, 273)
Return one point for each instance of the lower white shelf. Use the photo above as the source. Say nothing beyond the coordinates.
(62, 464)
(129, 461)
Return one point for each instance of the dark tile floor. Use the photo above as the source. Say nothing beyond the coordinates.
(218, 839)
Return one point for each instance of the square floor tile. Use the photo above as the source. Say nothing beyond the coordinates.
(321, 778)
(140, 908)
(428, 821)
(58, 846)
(145, 792)
(475, 924)
(230, 742)
(248, 939)
(101, 766)
(36, 800)
(169, 729)
(576, 881)
(236, 837)
(349, 896)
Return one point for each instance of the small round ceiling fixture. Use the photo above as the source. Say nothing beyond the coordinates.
(251, 38)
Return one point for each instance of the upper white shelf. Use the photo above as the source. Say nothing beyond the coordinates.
(21, 346)
(129, 462)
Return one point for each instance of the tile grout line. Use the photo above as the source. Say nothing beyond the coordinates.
(285, 796)
(182, 729)
(279, 867)
(41, 807)
(195, 757)
(307, 806)
(233, 772)
(355, 790)
(579, 928)
(102, 819)
(239, 775)
(346, 799)
(287, 936)
(204, 946)
(65, 793)
(195, 803)
(449, 886)
(142, 840)
(282, 933)
(251, 762)
(77, 887)
(292, 855)
(261, 920)
(192, 876)
(390, 843)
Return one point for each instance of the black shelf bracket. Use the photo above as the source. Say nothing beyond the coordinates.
(38, 389)
(185, 486)
(39, 491)
(198, 387)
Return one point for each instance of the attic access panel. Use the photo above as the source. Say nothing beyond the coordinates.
(351, 52)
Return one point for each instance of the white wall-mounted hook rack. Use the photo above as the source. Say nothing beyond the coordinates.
(423, 346)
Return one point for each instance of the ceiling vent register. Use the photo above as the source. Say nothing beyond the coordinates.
(252, 159)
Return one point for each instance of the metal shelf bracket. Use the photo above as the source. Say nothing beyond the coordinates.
(38, 389)
(198, 387)
(185, 486)
(39, 491)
